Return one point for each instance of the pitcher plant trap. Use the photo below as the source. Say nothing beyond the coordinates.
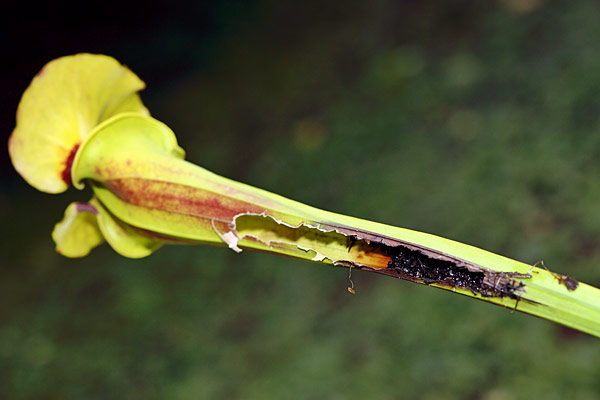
(82, 122)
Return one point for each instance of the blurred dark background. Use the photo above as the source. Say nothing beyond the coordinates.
(477, 121)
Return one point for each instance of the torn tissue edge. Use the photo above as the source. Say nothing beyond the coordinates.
(491, 278)
(230, 237)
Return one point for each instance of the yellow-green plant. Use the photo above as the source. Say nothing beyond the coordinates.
(82, 121)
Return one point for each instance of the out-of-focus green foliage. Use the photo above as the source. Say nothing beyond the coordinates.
(478, 123)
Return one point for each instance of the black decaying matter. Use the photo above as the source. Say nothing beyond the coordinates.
(415, 265)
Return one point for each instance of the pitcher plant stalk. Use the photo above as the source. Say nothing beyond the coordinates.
(81, 121)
